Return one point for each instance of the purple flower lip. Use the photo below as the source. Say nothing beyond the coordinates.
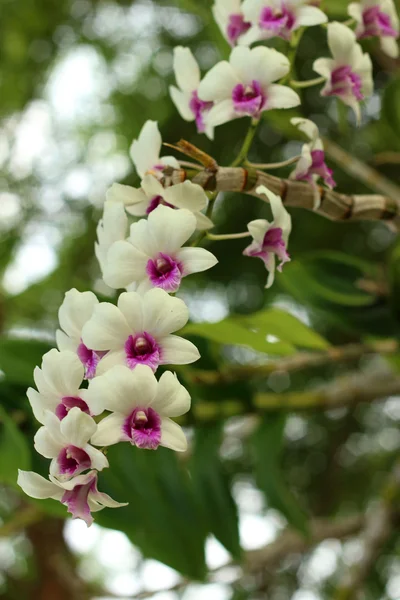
(236, 27)
(72, 460)
(199, 108)
(278, 22)
(318, 167)
(345, 82)
(143, 428)
(272, 242)
(142, 349)
(76, 500)
(69, 402)
(164, 272)
(377, 23)
(249, 100)
(156, 201)
(89, 358)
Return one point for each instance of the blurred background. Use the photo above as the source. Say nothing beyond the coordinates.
(277, 447)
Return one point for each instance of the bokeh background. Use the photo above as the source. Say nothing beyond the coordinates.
(78, 79)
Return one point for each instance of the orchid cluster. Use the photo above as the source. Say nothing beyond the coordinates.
(99, 387)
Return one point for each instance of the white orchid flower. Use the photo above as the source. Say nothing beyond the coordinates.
(377, 18)
(141, 408)
(153, 255)
(79, 494)
(270, 239)
(145, 152)
(349, 73)
(243, 86)
(138, 331)
(185, 96)
(230, 19)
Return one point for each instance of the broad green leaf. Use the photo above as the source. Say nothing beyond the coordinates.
(267, 443)
(328, 277)
(162, 517)
(232, 332)
(212, 488)
(14, 450)
(18, 358)
(287, 328)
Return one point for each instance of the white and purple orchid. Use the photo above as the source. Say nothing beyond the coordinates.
(230, 19)
(145, 152)
(140, 202)
(58, 383)
(141, 408)
(79, 494)
(243, 86)
(377, 18)
(66, 442)
(278, 18)
(311, 165)
(185, 96)
(270, 240)
(153, 255)
(75, 310)
(348, 74)
(138, 331)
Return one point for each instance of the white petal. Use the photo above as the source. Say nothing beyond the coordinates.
(170, 161)
(61, 374)
(203, 222)
(130, 305)
(177, 351)
(310, 15)
(40, 403)
(145, 151)
(151, 186)
(122, 390)
(341, 41)
(75, 310)
(77, 427)
(324, 67)
(141, 239)
(104, 500)
(218, 83)
(270, 265)
(45, 444)
(390, 46)
(195, 260)
(181, 101)
(162, 313)
(221, 113)
(260, 64)
(171, 228)
(251, 9)
(125, 265)
(172, 435)
(36, 486)
(186, 195)
(281, 96)
(107, 329)
(186, 69)
(97, 458)
(172, 398)
(355, 11)
(124, 194)
(111, 359)
(254, 34)
(109, 430)
(307, 127)
(258, 228)
(66, 343)
(282, 218)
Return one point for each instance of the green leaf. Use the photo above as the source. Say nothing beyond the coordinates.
(287, 328)
(14, 450)
(162, 517)
(267, 443)
(233, 332)
(391, 108)
(328, 277)
(18, 358)
(212, 488)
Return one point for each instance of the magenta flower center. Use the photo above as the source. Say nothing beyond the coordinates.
(277, 22)
(156, 201)
(142, 349)
(318, 167)
(72, 460)
(377, 23)
(236, 27)
(345, 82)
(164, 272)
(89, 359)
(199, 108)
(249, 100)
(143, 428)
(69, 402)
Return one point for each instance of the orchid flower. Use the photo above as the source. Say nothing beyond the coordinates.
(138, 331)
(185, 98)
(377, 18)
(230, 19)
(79, 494)
(270, 239)
(243, 86)
(145, 152)
(272, 18)
(348, 74)
(140, 407)
(153, 257)
(143, 201)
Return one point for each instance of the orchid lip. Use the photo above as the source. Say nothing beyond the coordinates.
(143, 428)
(236, 27)
(165, 272)
(73, 460)
(142, 349)
(249, 100)
(68, 402)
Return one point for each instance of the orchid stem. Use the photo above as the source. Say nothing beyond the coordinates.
(276, 165)
(246, 143)
(228, 236)
(308, 83)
